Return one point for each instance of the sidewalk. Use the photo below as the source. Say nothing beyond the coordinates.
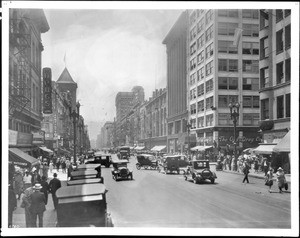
(49, 215)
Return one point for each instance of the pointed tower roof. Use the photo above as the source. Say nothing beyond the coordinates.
(65, 77)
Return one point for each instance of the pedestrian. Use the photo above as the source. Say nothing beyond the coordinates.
(27, 179)
(256, 165)
(246, 172)
(37, 205)
(229, 162)
(26, 204)
(265, 166)
(280, 179)
(269, 179)
(70, 169)
(51, 166)
(45, 170)
(53, 186)
(12, 204)
(58, 164)
(63, 166)
(45, 188)
(36, 178)
(19, 185)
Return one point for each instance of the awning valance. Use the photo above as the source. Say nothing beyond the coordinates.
(158, 148)
(264, 149)
(200, 148)
(46, 149)
(284, 144)
(20, 158)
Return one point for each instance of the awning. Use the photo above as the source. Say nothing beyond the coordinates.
(200, 148)
(264, 149)
(158, 148)
(64, 151)
(20, 158)
(284, 144)
(139, 148)
(46, 149)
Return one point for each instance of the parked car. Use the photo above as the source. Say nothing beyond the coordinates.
(174, 163)
(199, 171)
(100, 158)
(120, 170)
(83, 206)
(147, 161)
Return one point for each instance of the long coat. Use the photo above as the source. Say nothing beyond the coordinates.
(38, 202)
(54, 184)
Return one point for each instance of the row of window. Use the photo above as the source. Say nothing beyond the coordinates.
(209, 103)
(209, 86)
(231, 65)
(19, 126)
(283, 107)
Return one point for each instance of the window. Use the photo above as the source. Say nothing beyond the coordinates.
(209, 85)
(193, 33)
(200, 90)
(227, 47)
(209, 33)
(228, 83)
(223, 101)
(279, 15)
(200, 41)
(209, 102)
(227, 29)
(250, 48)
(251, 84)
(209, 51)
(265, 109)
(250, 13)
(200, 74)
(250, 66)
(208, 16)
(250, 101)
(288, 36)
(193, 78)
(193, 17)
(192, 93)
(177, 127)
(200, 25)
(193, 48)
(209, 120)
(201, 106)
(200, 57)
(233, 99)
(200, 122)
(264, 18)
(193, 109)
(224, 119)
(280, 107)
(264, 48)
(288, 105)
(255, 100)
(288, 70)
(264, 78)
(250, 119)
(279, 73)
(228, 65)
(287, 12)
(209, 68)
(222, 65)
(193, 63)
(250, 30)
(279, 41)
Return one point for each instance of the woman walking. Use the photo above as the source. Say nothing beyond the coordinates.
(269, 179)
(280, 179)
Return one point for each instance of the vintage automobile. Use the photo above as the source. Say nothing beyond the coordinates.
(124, 152)
(85, 174)
(83, 206)
(120, 170)
(84, 181)
(174, 163)
(147, 161)
(100, 158)
(199, 171)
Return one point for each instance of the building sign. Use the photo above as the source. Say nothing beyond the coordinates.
(47, 91)
(38, 138)
(24, 139)
(12, 137)
(273, 137)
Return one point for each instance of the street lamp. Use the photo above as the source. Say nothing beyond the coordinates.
(234, 115)
(75, 116)
(189, 126)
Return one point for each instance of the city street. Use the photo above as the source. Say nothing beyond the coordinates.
(155, 199)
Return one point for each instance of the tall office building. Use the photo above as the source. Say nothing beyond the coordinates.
(223, 68)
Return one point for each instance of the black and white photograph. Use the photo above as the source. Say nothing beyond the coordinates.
(150, 118)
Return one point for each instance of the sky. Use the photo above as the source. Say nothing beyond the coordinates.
(107, 51)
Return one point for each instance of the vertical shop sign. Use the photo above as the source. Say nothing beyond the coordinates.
(47, 91)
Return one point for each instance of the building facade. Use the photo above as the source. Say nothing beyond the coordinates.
(223, 68)
(25, 103)
(176, 45)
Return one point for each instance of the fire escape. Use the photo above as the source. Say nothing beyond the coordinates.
(20, 67)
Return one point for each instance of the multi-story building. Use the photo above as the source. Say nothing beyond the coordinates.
(25, 104)
(223, 68)
(275, 80)
(176, 44)
(107, 135)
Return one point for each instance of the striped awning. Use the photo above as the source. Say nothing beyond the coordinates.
(20, 158)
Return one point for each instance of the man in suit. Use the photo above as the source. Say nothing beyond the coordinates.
(53, 186)
(38, 207)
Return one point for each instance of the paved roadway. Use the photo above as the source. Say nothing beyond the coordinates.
(155, 199)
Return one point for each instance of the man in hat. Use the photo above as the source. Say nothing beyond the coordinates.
(38, 207)
(53, 186)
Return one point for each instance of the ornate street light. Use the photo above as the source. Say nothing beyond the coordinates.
(234, 115)
(189, 126)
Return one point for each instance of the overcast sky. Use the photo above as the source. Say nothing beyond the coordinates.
(107, 51)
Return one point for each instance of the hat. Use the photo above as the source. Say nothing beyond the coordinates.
(37, 186)
(280, 169)
(55, 174)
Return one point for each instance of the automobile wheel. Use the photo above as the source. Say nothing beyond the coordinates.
(212, 181)
(138, 166)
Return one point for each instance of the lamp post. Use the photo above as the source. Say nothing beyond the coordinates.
(234, 115)
(189, 126)
(75, 116)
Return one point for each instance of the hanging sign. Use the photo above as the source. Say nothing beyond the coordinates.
(47, 91)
